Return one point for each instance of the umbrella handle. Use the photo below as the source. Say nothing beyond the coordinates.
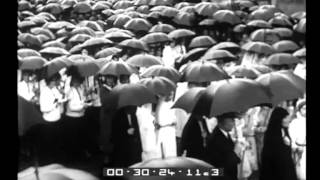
(162, 151)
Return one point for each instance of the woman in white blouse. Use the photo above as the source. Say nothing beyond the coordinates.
(74, 119)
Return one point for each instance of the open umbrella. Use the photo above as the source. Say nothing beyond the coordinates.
(143, 60)
(207, 22)
(54, 44)
(121, 20)
(262, 69)
(86, 68)
(117, 68)
(206, 8)
(32, 63)
(141, 2)
(285, 46)
(100, 6)
(76, 49)
(193, 55)
(90, 24)
(138, 24)
(40, 30)
(56, 64)
(160, 3)
(283, 32)
(188, 100)
(155, 37)
(183, 18)
(280, 21)
(259, 23)
(82, 7)
(117, 36)
(298, 15)
(243, 71)
(54, 51)
(122, 4)
(132, 95)
(301, 26)
(188, 9)
(180, 33)
(226, 16)
(262, 14)
(26, 24)
(258, 47)
(144, 9)
(159, 85)
(301, 53)
(202, 41)
(280, 59)
(169, 12)
(219, 54)
(29, 39)
(229, 46)
(165, 28)
(107, 52)
(180, 5)
(202, 71)
(24, 5)
(25, 52)
(231, 95)
(265, 35)
(53, 8)
(134, 44)
(79, 38)
(284, 85)
(54, 171)
(83, 30)
(80, 57)
(164, 71)
(96, 42)
(59, 25)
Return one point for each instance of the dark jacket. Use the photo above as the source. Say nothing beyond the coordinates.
(192, 140)
(220, 153)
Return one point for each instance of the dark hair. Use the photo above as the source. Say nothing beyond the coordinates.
(80, 79)
(224, 116)
(54, 77)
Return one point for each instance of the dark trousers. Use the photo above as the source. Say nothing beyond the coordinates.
(91, 130)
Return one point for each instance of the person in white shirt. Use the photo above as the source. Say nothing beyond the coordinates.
(74, 119)
(25, 87)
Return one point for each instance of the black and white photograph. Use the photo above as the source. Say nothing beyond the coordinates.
(161, 89)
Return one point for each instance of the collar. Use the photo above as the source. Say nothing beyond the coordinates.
(225, 133)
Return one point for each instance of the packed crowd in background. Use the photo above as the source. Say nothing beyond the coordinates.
(106, 76)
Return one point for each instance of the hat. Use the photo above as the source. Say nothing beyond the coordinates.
(300, 104)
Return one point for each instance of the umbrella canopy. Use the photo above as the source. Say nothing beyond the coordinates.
(202, 41)
(243, 71)
(240, 28)
(159, 85)
(180, 33)
(55, 171)
(206, 8)
(156, 37)
(32, 63)
(56, 64)
(144, 9)
(90, 24)
(86, 68)
(59, 25)
(122, 5)
(79, 38)
(301, 26)
(262, 14)
(135, 44)
(298, 15)
(76, 49)
(83, 30)
(141, 2)
(160, 3)
(80, 57)
(258, 47)
(107, 52)
(99, 6)
(259, 23)
(219, 54)
(138, 24)
(284, 85)
(116, 68)
(132, 95)
(121, 20)
(193, 55)
(54, 51)
(265, 35)
(169, 12)
(207, 22)
(229, 46)
(26, 24)
(96, 42)
(280, 59)
(30, 39)
(202, 71)
(262, 69)
(285, 46)
(188, 100)
(117, 36)
(40, 30)
(283, 32)
(53, 8)
(164, 71)
(143, 60)
(165, 28)
(226, 16)
(301, 53)
(231, 95)
(188, 9)
(183, 18)
(280, 21)
(25, 52)
(54, 44)
(82, 7)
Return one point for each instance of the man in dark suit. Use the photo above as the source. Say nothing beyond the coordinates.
(220, 147)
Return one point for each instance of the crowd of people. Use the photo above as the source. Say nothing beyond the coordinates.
(61, 43)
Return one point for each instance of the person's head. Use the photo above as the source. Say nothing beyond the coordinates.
(124, 79)
(226, 121)
(25, 76)
(53, 80)
(279, 118)
(111, 80)
(76, 81)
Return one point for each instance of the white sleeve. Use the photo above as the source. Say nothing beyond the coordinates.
(46, 101)
(74, 103)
